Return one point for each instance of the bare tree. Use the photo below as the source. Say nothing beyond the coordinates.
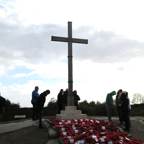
(138, 98)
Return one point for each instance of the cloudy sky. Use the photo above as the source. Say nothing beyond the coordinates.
(112, 59)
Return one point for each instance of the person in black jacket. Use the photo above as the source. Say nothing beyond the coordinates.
(125, 110)
(40, 103)
(118, 106)
(59, 100)
(65, 95)
(2, 105)
(76, 98)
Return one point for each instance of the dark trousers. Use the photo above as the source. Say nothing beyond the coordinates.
(109, 112)
(119, 114)
(1, 112)
(129, 118)
(64, 105)
(40, 117)
(126, 119)
(76, 104)
(35, 111)
(60, 107)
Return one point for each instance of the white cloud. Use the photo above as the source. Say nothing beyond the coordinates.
(92, 81)
(123, 17)
(20, 75)
(112, 59)
(24, 44)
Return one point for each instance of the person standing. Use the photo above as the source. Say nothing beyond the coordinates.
(118, 106)
(109, 103)
(59, 100)
(125, 110)
(35, 96)
(76, 98)
(129, 108)
(40, 104)
(65, 95)
(2, 105)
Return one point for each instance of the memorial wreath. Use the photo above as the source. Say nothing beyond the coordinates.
(89, 131)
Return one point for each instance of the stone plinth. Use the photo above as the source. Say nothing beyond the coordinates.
(70, 112)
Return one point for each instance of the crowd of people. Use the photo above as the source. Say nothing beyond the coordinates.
(62, 99)
(123, 107)
(39, 100)
(38, 104)
(122, 104)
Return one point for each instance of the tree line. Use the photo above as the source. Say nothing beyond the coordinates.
(90, 108)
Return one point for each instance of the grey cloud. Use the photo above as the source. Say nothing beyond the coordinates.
(33, 44)
(109, 47)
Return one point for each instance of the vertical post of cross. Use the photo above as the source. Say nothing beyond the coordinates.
(70, 100)
(70, 40)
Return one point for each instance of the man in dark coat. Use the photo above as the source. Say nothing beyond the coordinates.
(125, 110)
(40, 103)
(65, 95)
(118, 106)
(2, 105)
(59, 100)
(76, 98)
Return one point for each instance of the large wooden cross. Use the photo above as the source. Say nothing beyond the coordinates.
(70, 40)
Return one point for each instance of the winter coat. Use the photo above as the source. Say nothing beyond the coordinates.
(65, 95)
(109, 99)
(35, 96)
(41, 100)
(124, 104)
(60, 98)
(76, 99)
(118, 101)
(2, 101)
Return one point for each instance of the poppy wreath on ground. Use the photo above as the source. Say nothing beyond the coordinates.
(89, 131)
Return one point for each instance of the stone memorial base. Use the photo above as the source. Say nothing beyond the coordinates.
(71, 112)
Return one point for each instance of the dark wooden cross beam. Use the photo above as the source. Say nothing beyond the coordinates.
(70, 40)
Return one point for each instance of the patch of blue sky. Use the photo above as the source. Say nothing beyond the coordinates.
(54, 81)
(2, 7)
(77, 81)
(7, 81)
(64, 60)
(18, 70)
